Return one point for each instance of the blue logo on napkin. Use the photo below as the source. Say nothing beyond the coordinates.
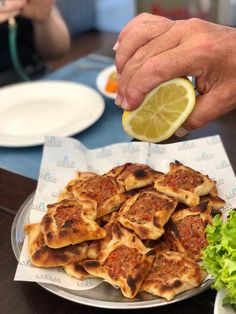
(66, 162)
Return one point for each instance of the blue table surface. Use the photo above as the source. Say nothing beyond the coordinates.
(107, 130)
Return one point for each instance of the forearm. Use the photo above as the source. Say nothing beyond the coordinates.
(51, 35)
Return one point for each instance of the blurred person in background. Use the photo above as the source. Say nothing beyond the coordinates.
(41, 34)
(152, 49)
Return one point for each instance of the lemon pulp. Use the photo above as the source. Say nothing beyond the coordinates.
(162, 112)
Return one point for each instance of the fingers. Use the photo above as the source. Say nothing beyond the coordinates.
(141, 18)
(156, 70)
(152, 51)
(164, 42)
(138, 36)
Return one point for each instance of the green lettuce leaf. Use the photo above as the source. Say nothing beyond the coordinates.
(219, 257)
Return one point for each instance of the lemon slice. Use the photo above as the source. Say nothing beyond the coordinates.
(162, 112)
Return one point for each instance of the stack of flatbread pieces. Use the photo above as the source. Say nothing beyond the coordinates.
(135, 227)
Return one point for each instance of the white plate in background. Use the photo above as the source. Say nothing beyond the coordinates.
(218, 308)
(102, 79)
(29, 111)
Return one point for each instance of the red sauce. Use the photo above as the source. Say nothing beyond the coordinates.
(182, 179)
(165, 268)
(192, 235)
(67, 215)
(145, 207)
(122, 261)
(99, 188)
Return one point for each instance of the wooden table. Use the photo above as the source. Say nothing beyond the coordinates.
(24, 297)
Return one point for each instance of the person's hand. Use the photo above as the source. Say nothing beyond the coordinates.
(11, 8)
(153, 49)
(38, 10)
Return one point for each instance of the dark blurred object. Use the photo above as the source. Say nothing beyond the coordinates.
(217, 11)
(34, 71)
(25, 44)
(33, 65)
(180, 9)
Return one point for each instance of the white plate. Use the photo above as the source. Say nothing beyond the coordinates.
(218, 308)
(102, 79)
(30, 111)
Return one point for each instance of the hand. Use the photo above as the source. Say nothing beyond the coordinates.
(11, 8)
(153, 49)
(38, 10)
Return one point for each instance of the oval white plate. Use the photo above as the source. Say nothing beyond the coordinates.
(30, 111)
(218, 308)
(102, 79)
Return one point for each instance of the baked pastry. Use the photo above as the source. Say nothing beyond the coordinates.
(103, 190)
(134, 175)
(124, 261)
(113, 232)
(102, 221)
(214, 200)
(184, 184)
(185, 231)
(172, 273)
(70, 221)
(77, 271)
(43, 256)
(152, 234)
(77, 181)
(146, 213)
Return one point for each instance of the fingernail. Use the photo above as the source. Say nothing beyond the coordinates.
(181, 132)
(116, 46)
(118, 100)
(125, 104)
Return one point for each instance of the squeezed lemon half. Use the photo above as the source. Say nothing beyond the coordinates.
(162, 112)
